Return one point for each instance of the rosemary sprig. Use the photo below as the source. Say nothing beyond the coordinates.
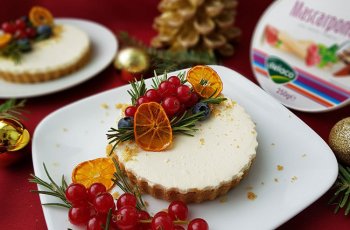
(342, 187)
(53, 189)
(138, 89)
(157, 79)
(212, 100)
(12, 109)
(186, 124)
(12, 51)
(122, 181)
(117, 136)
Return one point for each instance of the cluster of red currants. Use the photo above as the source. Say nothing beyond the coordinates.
(174, 97)
(90, 207)
(20, 28)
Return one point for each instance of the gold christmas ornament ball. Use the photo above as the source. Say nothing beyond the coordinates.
(13, 135)
(132, 59)
(339, 140)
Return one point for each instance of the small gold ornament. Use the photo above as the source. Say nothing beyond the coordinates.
(133, 60)
(13, 135)
(339, 140)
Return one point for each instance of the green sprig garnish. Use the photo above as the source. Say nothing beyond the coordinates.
(342, 186)
(138, 88)
(12, 109)
(53, 189)
(122, 181)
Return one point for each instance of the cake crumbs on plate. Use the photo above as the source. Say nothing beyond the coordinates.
(65, 130)
(121, 106)
(262, 183)
(280, 167)
(276, 180)
(273, 144)
(293, 179)
(223, 199)
(304, 155)
(104, 106)
(251, 196)
(249, 187)
(116, 195)
(202, 141)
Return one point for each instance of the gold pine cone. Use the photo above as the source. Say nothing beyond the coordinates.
(197, 24)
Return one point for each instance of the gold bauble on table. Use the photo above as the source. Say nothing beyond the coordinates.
(13, 136)
(339, 140)
(132, 59)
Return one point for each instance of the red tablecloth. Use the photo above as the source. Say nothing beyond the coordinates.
(20, 209)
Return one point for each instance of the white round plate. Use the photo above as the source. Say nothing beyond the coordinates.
(104, 48)
(300, 57)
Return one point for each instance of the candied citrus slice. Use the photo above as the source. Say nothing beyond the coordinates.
(152, 127)
(92, 171)
(5, 39)
(40, 16)
(205, 81)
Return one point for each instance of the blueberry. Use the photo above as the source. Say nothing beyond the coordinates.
(126, 122)
(44, 31)
(24, 45)
(200, 107)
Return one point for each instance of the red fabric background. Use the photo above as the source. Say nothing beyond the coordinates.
(20, 209)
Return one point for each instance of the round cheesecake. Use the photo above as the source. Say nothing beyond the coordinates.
(65, 52)
(196, 168)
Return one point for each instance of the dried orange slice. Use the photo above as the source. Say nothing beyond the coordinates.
(40, 16)
(205, 81)
(98, 170)
(5, 39)
(152, 128)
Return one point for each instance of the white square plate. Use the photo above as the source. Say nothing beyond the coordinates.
(77, 132)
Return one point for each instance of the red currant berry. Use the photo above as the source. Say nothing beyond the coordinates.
(130, 111)
(125, 218)
(79, 215)
(20, 24)
(141, 100)
(126, 199)
(171, 105)
(103, 202)
(8, 27)
(183, 93)
(166, 89)
(31, 32)
(175, 80)
(198, 224)
(94, 190)
(20, 34)
(143, 215)
(178, 210)
(153, 95)
(76, 193)
(192, 101)
(162, 221)
(178, 227)
(96, 223)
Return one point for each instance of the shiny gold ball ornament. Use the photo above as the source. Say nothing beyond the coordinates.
(339, 140)
(133, 60)
(13, 135)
